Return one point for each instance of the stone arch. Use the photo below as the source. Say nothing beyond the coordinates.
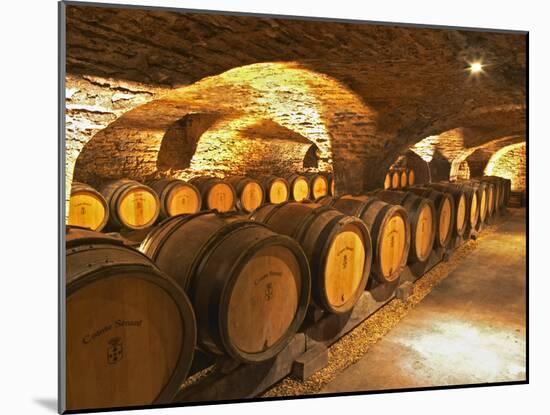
(510, 162)
(312, 105)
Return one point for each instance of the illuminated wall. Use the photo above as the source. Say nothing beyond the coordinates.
(510, 162)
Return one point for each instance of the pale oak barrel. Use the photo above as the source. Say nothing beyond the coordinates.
(445, 213)
(216, 193)
(276, 189)
(249, 286)
(422, 216)
(389, 229)
(132, 205)
(299, 187)
(176, 197)
(338, 248)
(87, 207)
(250, 193)
(471, 213)
(411, 177)
(130, 330)
(318, 185)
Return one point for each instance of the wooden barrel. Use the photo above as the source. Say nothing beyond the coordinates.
(387, 180)
(389, 229)
(130, 330)
(403, 178)
(338, 248)
(445, 213)
(276, 189)
(250, 194)
(330, 179)
(481, 190)
(459, 203)
(176, 197)
(318, 185)
(411, 177)
(249, 286)
(395, 179)
(490, 193)
(299, 187)
(422, 216)
(87, 207)
(215, 193)
(472, 204)
(132, 205)
(502, 190)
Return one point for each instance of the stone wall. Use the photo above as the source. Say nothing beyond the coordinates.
(511, 163)
(155, 93)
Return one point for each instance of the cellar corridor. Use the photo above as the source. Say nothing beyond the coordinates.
(469, 329)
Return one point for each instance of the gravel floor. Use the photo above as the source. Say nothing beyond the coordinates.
(353, 346)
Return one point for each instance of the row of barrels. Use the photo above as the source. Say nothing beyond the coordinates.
(132, 205)
(238, 284)
(397, 178)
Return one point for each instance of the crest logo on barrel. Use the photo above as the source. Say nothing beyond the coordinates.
(114, 351)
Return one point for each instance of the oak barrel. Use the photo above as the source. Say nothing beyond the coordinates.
(299, 187)
(130, 330)
(132, 205)
(276, 189)
(387, 180)
(330, 179)
(250, 193)
(318, 185)
(176, 197)
(460, 206)
(87, 207)
(338, 248)
(481, 189)
(445, 213)
(395, 179)
(422, 216)
(216, 193)
(389, 229)
(249, 286)
(471, 213)
(411, 177)
(403, 178)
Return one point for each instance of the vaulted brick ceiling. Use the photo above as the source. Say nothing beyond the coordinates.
(362, 93)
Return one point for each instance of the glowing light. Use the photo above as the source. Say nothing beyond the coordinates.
(476, 67)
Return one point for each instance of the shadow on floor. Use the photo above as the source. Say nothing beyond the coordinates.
(48, 403)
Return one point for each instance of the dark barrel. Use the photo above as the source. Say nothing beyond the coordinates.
(215, 193)
(250, 193)
(389, 229)
(421, 212)
(176, 197)
(132, 205)
(87, 207)
(445, 213)
(130, 330)
(299, 187)
(338, 248)
(249, 286)
(318, 185)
